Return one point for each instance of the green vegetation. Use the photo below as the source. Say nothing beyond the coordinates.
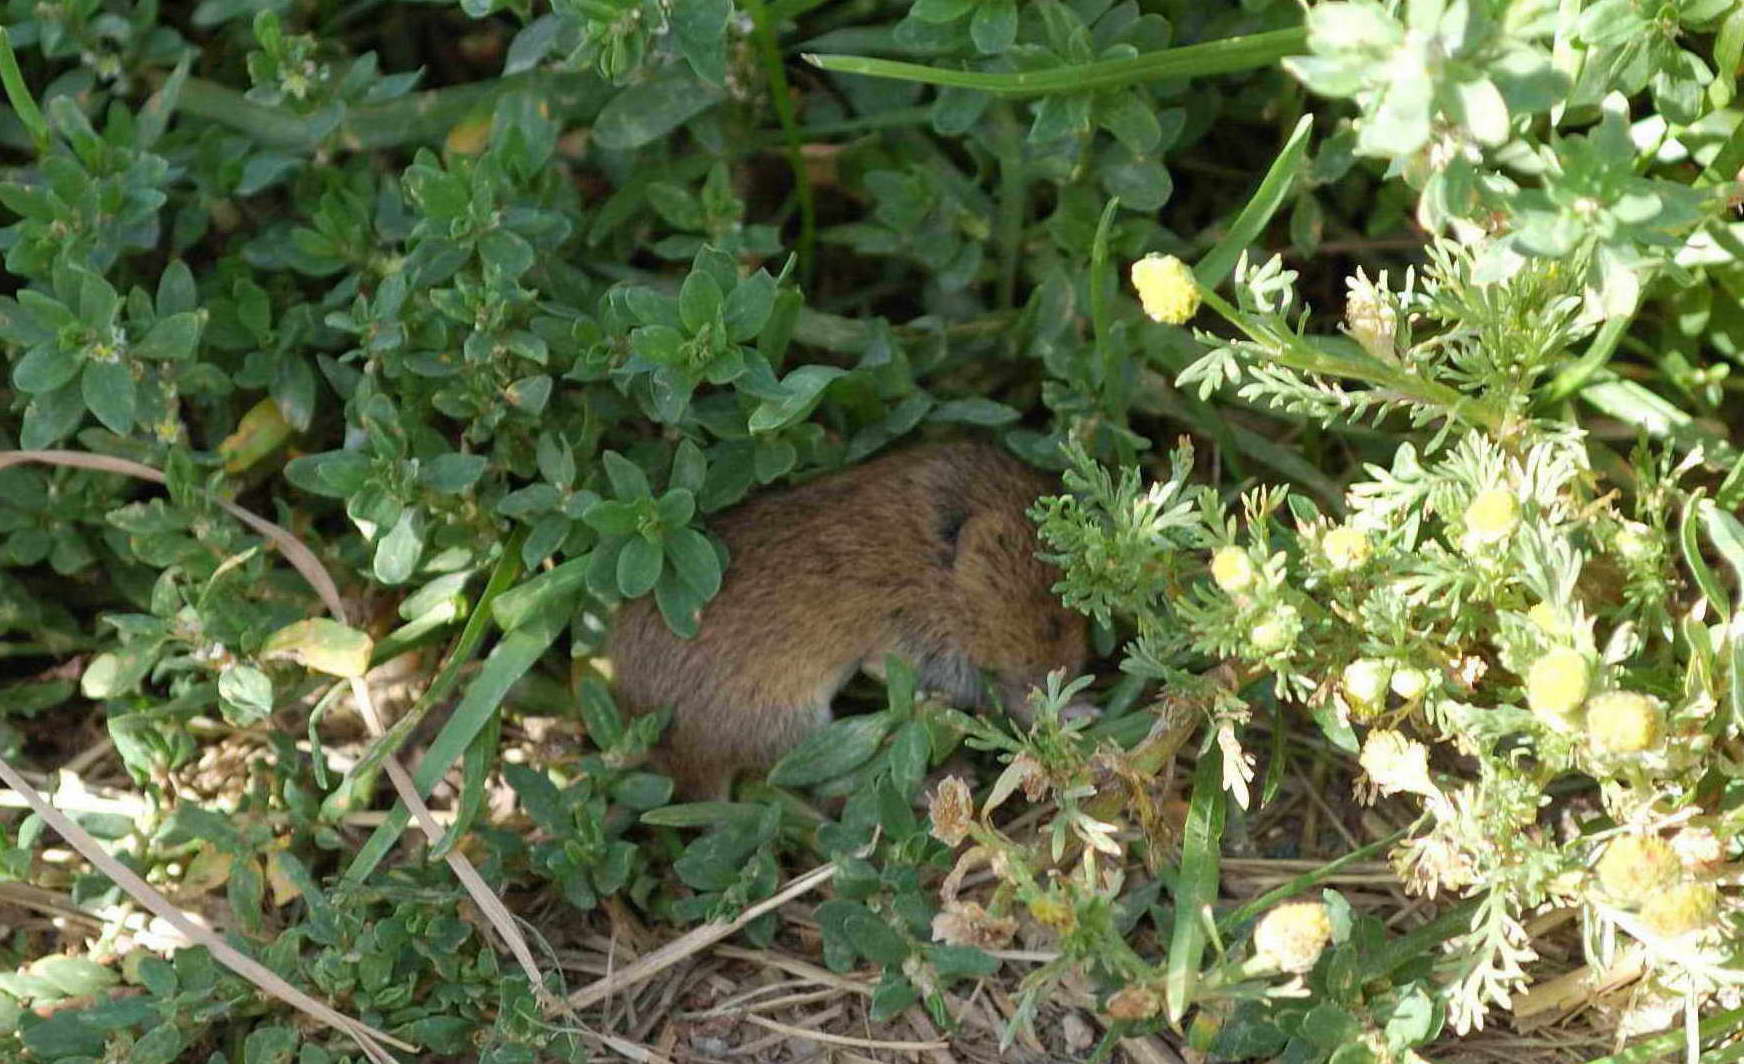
(364, 356)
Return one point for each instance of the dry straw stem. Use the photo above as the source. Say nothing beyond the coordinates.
(305, 562)
(694, 942)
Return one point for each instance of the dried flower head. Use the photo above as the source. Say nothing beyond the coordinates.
(953, 811)
(1346, 548)
(1557, 683)
(1133, 1004)
(1232, 569)
(965, 923)
(1624, 722)
(1292, 935)
(1681, 909)
(1166, 288)
(1396, 763)
(1369, 316)
(1634, 867)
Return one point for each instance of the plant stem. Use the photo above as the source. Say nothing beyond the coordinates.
(770, 49)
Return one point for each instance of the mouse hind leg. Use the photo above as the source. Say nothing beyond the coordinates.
(704, 754)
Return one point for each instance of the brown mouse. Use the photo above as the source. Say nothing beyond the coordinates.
(927, 554)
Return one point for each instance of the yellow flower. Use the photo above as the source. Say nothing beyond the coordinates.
(1623, 722)
(1681, 909)
(1556, 684)
(1544, 616)
(1346, 548)
(1635, 867)
(1166, 288)
(1634, 541)
(1232, 569)
(1492, 516)
(1292, 935)
(1051, 912)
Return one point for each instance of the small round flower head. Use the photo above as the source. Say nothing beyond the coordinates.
(1635, 867)
(1166, 288)
(1346, 548)
(1054, 913)
(1277, 631)
(1409, 684)
(1544, 617)
(1232, 569)
(1365, 682)
(1292, 935)
(1557, 683)
(1623, 722)
(1492, 516)
(1680, 909)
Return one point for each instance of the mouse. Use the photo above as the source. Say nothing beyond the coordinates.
(927, 553)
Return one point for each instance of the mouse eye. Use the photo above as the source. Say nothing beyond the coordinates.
(950, 529)
(1053, 629)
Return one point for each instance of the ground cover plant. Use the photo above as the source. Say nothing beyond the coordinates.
(363, 357)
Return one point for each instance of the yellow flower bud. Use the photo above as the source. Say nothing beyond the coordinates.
(1166, 288)
(1277, 631)
(1051, 912)
(1557, 683)
(1346, 548)
(1544, 616)
(1623, 722)
(1409, 684)
(1292, 935)
(1635, 867)
(1232, 569)
(1681, 909)
(1634, 541)
(1365, 682)
(1492, 516)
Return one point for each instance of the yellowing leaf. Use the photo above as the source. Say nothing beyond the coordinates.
(320, 644)
(261, 430)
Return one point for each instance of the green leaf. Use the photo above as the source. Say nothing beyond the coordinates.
(993, 27)
(397, 553)
(695, 561)
(832, 751)
(876, 940)
(628, 480)
(701, 27)
(639, 567)
(109, 394)
(246, 693)
(612, 517)
(1195, 884)
(452, 473)
(748, 306)
(699, 301)
(44, 369)
(804, 386)
(643, 113)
